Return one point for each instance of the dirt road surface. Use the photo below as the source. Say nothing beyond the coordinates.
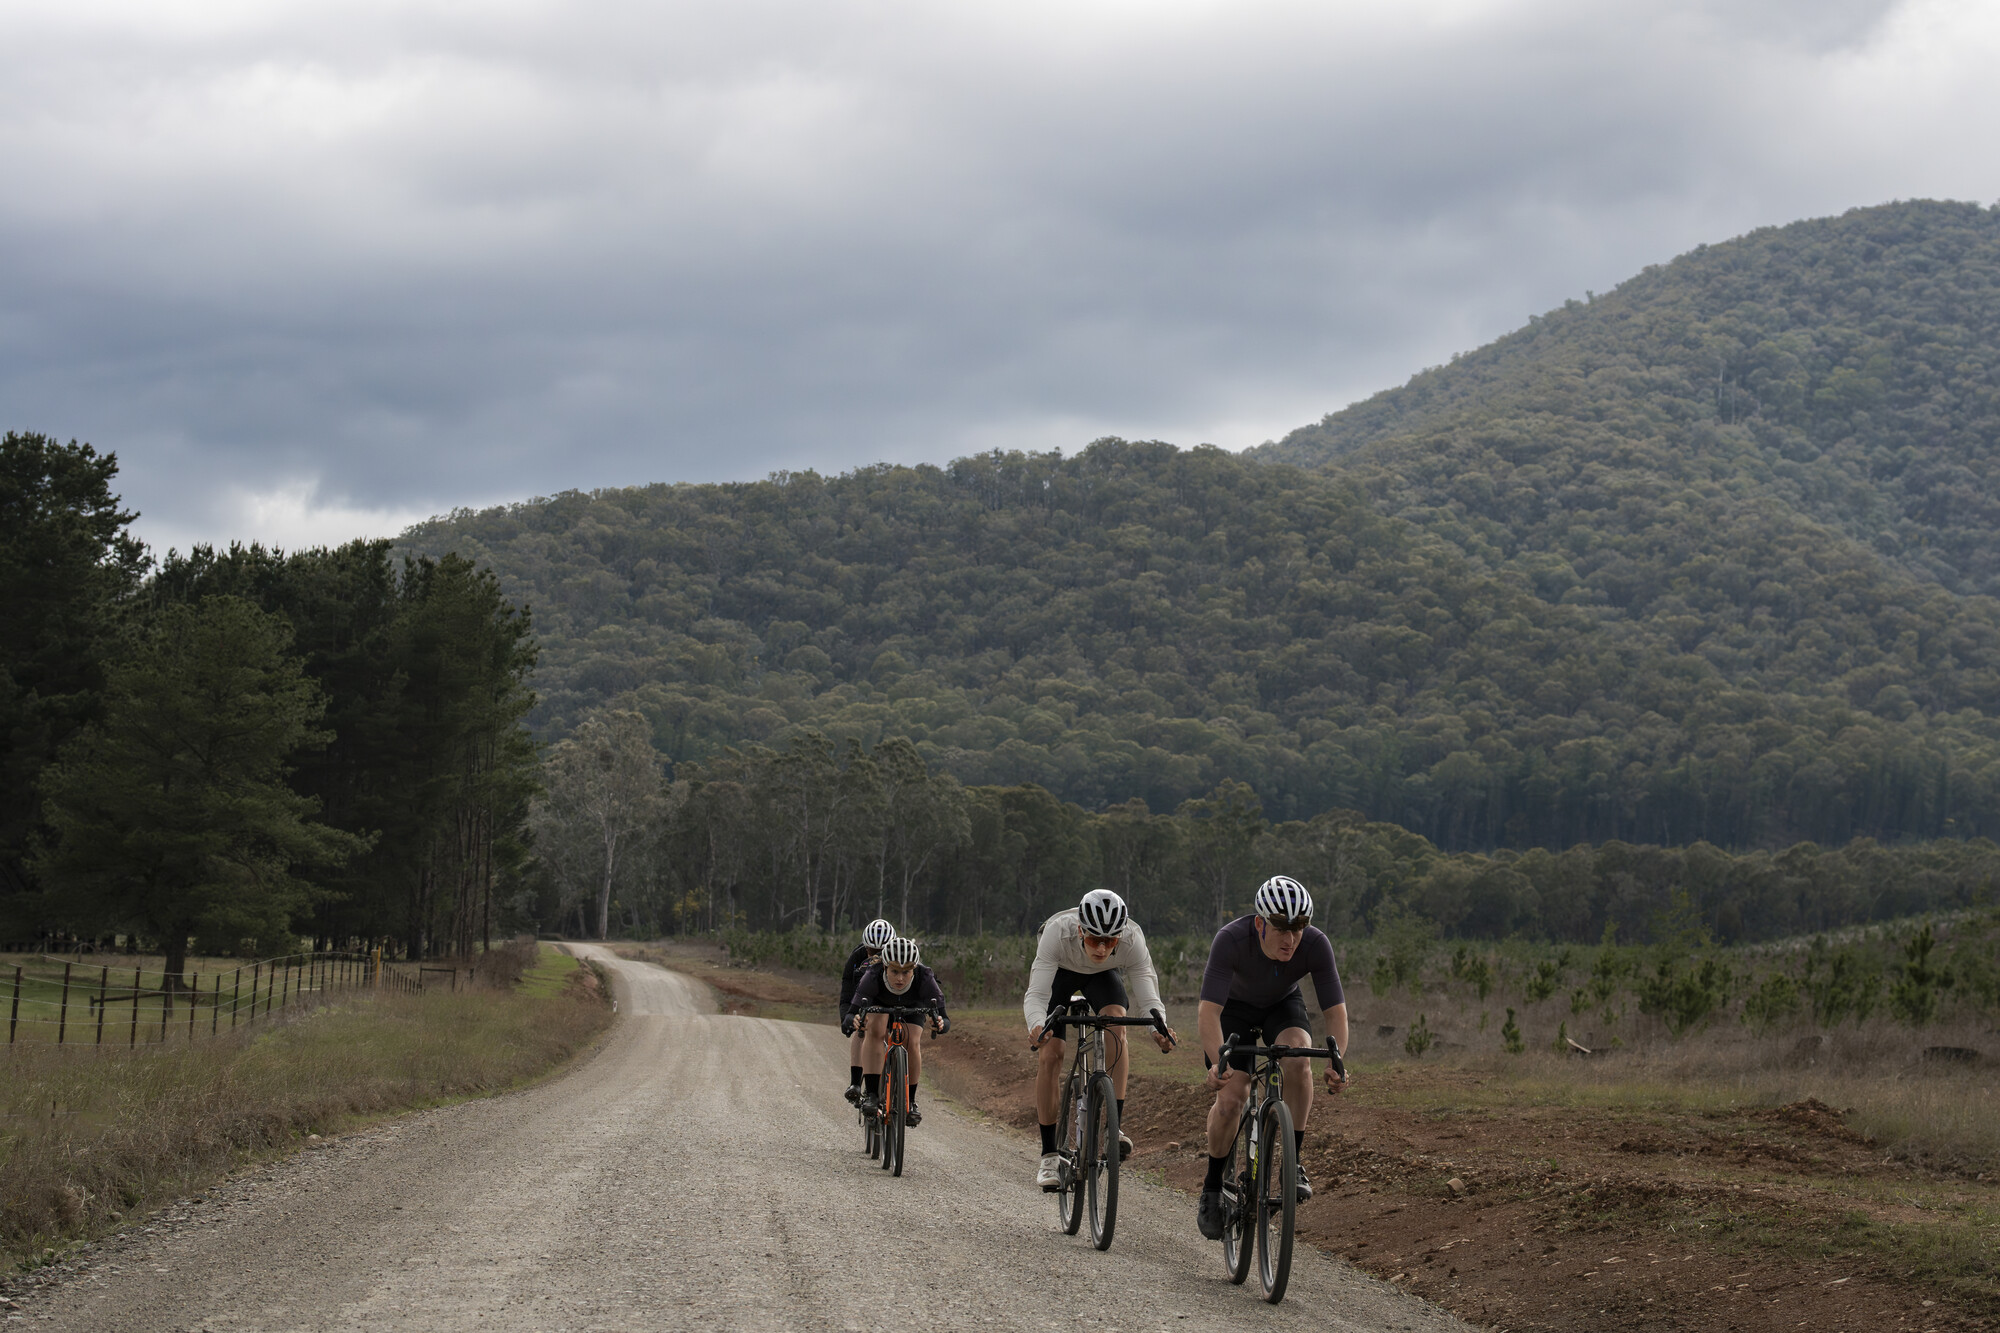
(697, 1172)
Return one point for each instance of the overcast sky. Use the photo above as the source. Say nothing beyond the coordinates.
(315, 269)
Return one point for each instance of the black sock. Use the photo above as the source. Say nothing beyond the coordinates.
(1298, 1144)
(854, 1076)
(1121, 1113)
(871, 1084)
(1216, 1166)
(1048, 1138)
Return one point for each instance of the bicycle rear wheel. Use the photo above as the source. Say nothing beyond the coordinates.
(899, 1110)
(1239, 1199)
(1069, 1136)
(1277, 1202)
(1100, 1160)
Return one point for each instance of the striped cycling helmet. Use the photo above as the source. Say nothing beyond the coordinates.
(1284, 899)
(900, 952)
(877, 933)
(1102, 912)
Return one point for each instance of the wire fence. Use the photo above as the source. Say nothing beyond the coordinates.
(64, 1003)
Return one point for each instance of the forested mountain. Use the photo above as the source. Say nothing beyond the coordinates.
(1704, 558)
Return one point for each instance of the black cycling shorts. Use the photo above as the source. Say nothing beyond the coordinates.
(1258, 1025)
(1100, 989)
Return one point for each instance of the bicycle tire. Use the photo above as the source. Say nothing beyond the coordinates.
(899, 1109)
(1069, 1199)
(1101, 1161)
(1239, 1197)
(1277, 1202)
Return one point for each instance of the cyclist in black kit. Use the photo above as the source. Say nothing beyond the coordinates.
(873, 936)
(899, 979)
(1250, 989)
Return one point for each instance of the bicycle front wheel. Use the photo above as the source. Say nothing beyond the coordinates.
(1100, 1160)
(1277, 1202)
(1239, 1199)
(1069, 1147)
(897, 1081)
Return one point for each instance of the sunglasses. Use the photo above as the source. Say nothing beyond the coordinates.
(1291, 924)
(1101, 941)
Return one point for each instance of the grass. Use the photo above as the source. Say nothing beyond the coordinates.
(88, 1134)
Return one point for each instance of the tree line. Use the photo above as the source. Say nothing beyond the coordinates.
(233, 748)
(814, 835)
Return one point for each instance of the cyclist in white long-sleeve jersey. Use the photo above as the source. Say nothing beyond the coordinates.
(1097, 949)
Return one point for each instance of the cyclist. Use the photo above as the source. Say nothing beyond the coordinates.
(1251, 988)
(873, 936)
(1095, 947)
(898, 979)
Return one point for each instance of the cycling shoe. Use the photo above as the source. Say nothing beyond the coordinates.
(853, 1094)
(1209, 1215)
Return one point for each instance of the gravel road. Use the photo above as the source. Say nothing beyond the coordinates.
(696, 1172)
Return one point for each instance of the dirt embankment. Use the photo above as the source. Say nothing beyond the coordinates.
(1561, 1217)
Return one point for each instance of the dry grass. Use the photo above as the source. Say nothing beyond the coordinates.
(1927, 1109)
(89, 1134)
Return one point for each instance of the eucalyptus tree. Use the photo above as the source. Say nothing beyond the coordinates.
(602, 798)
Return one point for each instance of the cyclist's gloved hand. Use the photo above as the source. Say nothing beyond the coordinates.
(847, 1025)
(943, 1024)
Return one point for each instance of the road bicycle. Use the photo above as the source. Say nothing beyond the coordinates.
(883, 1131)
(1087, 1123)
(1260, 1187)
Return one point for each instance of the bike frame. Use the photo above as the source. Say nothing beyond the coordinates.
(890, 1122)
(1253, 1195)
(1085, 1162)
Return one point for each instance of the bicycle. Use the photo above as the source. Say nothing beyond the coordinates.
(1087, 1123)
(883, 1132)
(1260, 1188)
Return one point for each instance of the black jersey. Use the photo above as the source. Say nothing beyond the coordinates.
(850, 976)
(924, 989)
(1239, 969)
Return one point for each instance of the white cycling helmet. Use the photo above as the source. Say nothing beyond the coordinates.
(1102, 912)
(1284, 899)
(900, 952)
(877, 933)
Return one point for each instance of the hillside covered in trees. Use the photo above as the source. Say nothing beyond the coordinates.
(1705, 558)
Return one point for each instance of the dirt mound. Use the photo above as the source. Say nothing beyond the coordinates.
(1814, 1116)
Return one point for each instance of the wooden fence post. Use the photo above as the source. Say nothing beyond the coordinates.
(235, 997)
(14, 1019)
(134, 1040)
(62, 1024)
(103, 989)
(166, 1003)
(256, 974)
(215, 1007)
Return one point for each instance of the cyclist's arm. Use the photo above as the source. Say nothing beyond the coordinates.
(1336, 1026)
(849, 977)
(1210, 1025)
(1143, 977)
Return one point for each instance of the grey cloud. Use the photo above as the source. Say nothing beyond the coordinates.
(432, 255)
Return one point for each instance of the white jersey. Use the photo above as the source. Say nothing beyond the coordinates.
(1061, 945)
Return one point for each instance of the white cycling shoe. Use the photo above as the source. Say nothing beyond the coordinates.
(1124, 1145)
(1049, 1174)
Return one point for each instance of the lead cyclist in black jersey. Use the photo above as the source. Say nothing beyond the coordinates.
(1250, 989)
(873, 936)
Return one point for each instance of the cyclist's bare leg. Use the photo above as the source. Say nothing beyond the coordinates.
(1114, 1051)
(872, 1052)
(1227, 1111)
(1048, 1078)
(913, 1033)
(1298, 1077)
(854, 1044)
